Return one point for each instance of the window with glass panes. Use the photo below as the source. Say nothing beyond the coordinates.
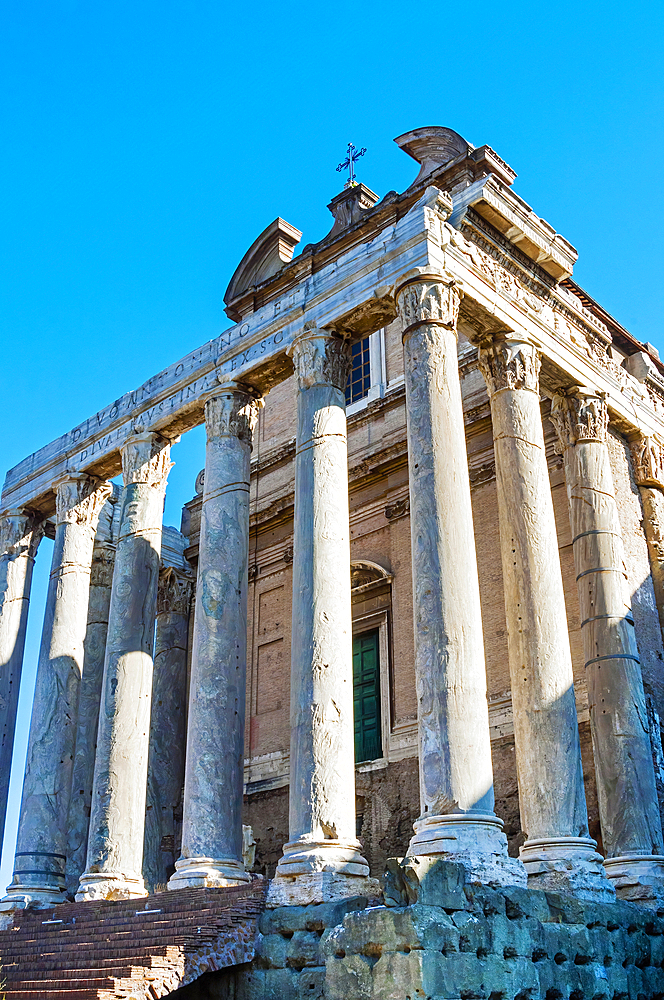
(366, 697)
(359, 380)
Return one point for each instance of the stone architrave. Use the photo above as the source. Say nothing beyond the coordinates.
(559, 853)
(94, 650)
(117, 819)
(39, 866)
(648, 461)
(168, 735)
(20, 534)
(457, 818)
(626, 791)
(214, 770)
(322, 859)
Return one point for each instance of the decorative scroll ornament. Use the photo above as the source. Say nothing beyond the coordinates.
(397, 509)
(79, 500)
(146, 459)
(429, 300)
(510, 364)
(174, 592)
(321, 358)
(233, 413)
(579, 416)
(648, 458)
(20, 533)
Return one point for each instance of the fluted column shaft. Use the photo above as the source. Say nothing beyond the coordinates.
(626, 792)
(39, 867)
(94, 651)
(214, 769)
(117, 820)
(168, 734)
(322, 857)
(20, 534)
(456, 777)
(558, 853)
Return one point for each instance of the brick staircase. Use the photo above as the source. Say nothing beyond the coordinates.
(130, 949)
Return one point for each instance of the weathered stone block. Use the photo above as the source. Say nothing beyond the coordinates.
(271, 951)
(350, 977)
(304, 950)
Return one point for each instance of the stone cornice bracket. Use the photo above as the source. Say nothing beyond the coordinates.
(428, 298)
(79, 499)
(510, 364)
(146, 459)
(579, 415)
(648, 458)
(174, 592)
(232, 411)
(320, 358)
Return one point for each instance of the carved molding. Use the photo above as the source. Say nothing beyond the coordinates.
(20, 534)
(321, 359)
(579, 416)
(79, 500)
(429, 300)
(482, 474)
(174, 591)
(510, 364)
(233, 413)
(146, 459)
(400, 508)
(648, 458)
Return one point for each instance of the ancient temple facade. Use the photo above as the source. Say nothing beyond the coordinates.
(386, 706)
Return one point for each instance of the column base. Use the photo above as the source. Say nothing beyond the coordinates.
(109, 885)
(637, 878)
(567, 864)
(202, 873)
(320, 871)
(474, 840)
(35, 897)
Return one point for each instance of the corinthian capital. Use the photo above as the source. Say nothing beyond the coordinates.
(233, 412)
(648, 458)
(174, 593)
(79, 500)
(510, 364)
(321, 358)
(146, 459)
(428, 299)
(20, 532)
(579, 416)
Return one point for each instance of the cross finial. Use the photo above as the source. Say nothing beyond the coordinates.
(349, 164)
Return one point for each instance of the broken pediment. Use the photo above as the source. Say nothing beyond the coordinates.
(432, 147)
(266, 255)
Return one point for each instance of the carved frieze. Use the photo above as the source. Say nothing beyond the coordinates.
(79, 500)
(321, 359)
(146, 459)
(648, 458)
(232, 413)
(510, 364)
(429, 300)
(174, 592)
(579, 416)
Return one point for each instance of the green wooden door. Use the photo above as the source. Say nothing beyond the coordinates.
(366, 697)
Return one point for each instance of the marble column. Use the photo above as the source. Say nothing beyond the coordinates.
(214, 769)
(94, 649)
(559, 853)
(626, 791)
(20, 534)
(39, 866)
(322, 859)
(457, 818)
(117, 819)
(168, 736)
(648, 461)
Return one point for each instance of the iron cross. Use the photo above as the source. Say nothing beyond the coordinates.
(349, 163)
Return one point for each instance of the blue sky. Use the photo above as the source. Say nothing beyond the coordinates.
(146, 144)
